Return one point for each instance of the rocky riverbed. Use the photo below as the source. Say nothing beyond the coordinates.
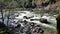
(27, 19)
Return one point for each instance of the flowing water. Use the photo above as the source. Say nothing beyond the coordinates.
(18, 15)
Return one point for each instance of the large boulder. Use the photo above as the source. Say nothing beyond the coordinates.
(44, 21)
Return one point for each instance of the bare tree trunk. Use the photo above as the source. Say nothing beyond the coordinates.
(8, 17)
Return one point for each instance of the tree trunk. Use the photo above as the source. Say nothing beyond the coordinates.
(2, 16)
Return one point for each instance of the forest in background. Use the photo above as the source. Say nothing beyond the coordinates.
(29, 3)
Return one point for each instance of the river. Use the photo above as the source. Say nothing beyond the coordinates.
(15, 16)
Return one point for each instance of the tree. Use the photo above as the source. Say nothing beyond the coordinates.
(58, 22)
(10, 3)
(2, 6)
